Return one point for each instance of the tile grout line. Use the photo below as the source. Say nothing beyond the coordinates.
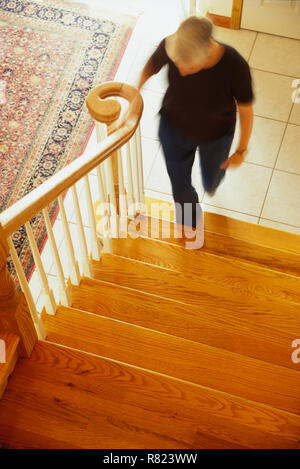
(283, 135)
(281, 223)
(275, 162)
(252, 48)
(273, 168)
(231, 210)
(273, 73)
(153, 162)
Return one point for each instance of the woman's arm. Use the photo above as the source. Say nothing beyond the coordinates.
(147, 73)
(246, 125)
(157, 60)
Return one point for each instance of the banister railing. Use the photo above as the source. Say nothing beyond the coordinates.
(18, 312)
(25, 209)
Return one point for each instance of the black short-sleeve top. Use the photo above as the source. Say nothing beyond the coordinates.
(203, 105)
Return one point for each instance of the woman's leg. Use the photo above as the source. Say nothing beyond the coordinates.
(212, 155)
(179, 155)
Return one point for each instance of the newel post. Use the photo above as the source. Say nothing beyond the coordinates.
(14, 312)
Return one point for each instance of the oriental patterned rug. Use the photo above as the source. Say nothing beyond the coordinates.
(52, 53)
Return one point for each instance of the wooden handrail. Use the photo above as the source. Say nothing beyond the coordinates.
(104, 111)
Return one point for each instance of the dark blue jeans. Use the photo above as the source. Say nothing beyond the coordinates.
(179, 153)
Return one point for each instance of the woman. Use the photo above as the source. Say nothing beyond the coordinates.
(207, 79)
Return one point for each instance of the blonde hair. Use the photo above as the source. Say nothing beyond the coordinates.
(191, 40)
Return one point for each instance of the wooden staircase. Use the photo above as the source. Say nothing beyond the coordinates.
(169, 348)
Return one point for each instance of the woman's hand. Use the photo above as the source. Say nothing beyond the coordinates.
(114, 126)
(234, 161)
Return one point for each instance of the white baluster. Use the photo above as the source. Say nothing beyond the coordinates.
(107, 244)
(64, 293)
(105, 177)
(101, 187)
(135, 171)
(101, 131)
(72, 262)
(50, 304)
(95, 243)
(39, 325)
(131, 197)
(101, 134)
(112, 199)
(85, 261)
(122, 197)
(140, 164)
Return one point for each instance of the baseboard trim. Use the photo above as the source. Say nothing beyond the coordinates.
(218, 20)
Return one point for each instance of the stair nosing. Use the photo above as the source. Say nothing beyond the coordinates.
(185, 274)
(211, 347)
(230, 236)
(172, 300)
(173, 378)
(213, 254)
(234, 258)
(136, 290)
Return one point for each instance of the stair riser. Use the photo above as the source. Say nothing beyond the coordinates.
(208, 326)
(193, 362)
(257, 252)
(151, 405)
(234, 274)
(282, 316)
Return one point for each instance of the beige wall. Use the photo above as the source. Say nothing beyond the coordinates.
(221, 7)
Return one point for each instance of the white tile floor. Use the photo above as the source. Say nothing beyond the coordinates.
(266, 188)
(268, 182)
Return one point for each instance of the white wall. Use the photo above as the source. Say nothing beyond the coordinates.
(221, 7)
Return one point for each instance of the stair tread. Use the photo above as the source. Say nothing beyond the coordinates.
(247, 231)
(230, 244)
(209, 326)
(186, 288)
(180, 358)
(91, 402)
(234, 273)
(252, 232)
(11, 356)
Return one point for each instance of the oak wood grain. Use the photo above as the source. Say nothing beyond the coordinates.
(11, 357)
(219, 20)
(118, 406)
(212, 326)
(236, 14)
(229, 239)
(186, 288)
(177, 357)
(238, 275)
(238, 229)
